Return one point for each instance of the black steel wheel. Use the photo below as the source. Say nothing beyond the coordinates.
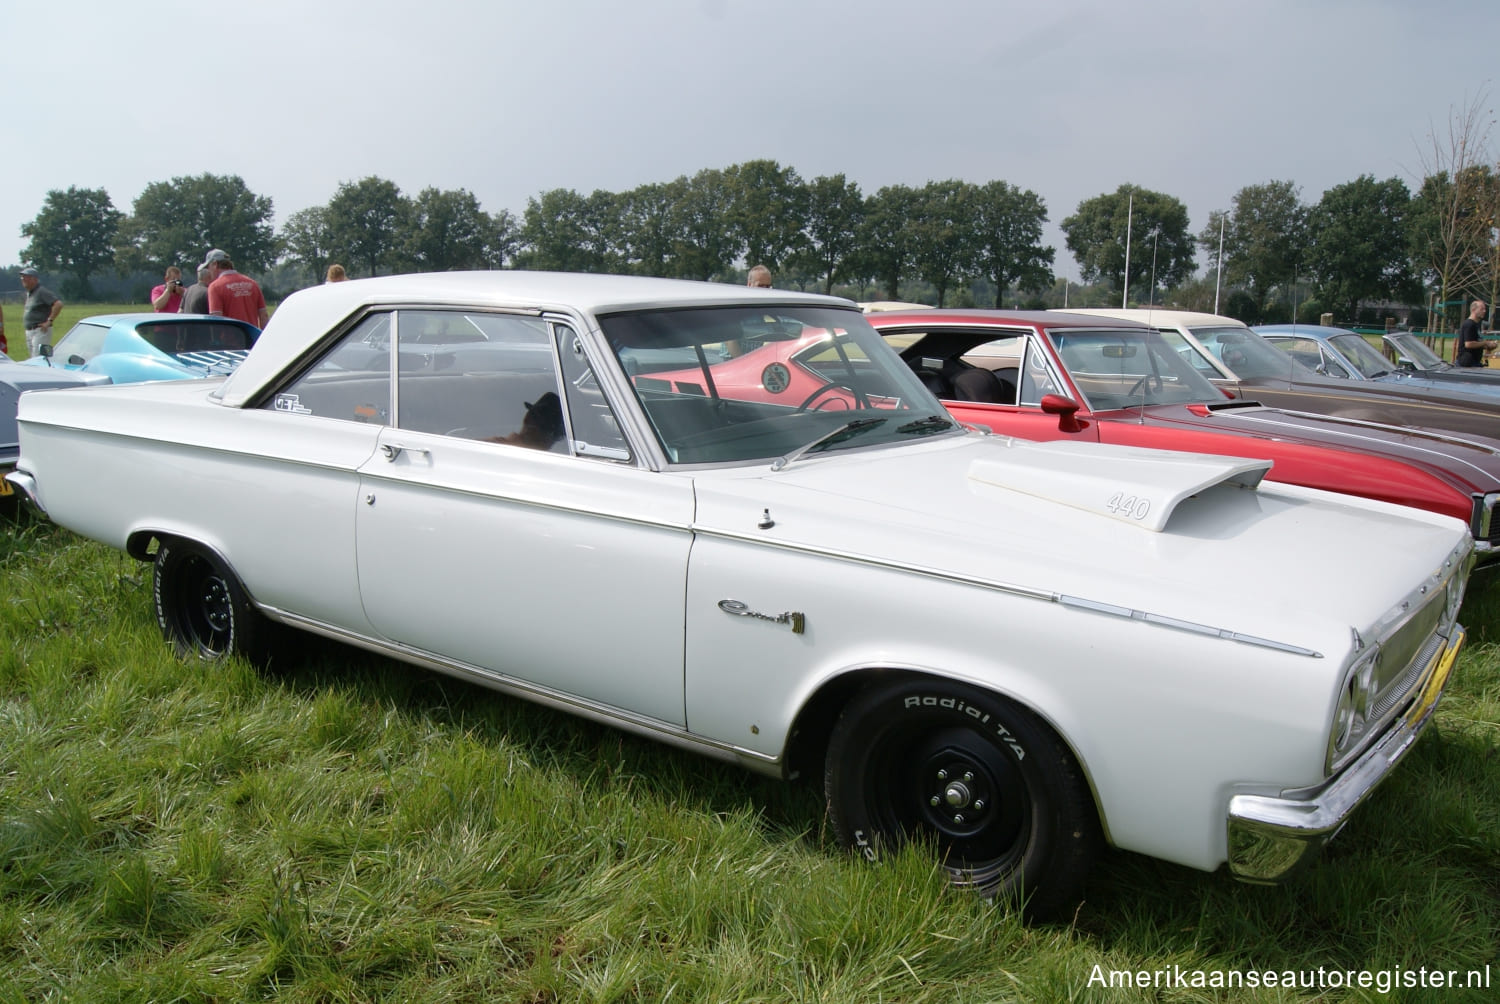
(201, 607)
(984, 781)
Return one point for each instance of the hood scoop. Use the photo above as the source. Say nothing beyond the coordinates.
(1127, 483)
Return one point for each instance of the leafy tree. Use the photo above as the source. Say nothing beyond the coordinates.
(446, 230)
(1158, 228)
(176, 222)
(648, 218)
(1265, 239)
(835, 211)
(307, 240)
(1358, 243)
(1008, 238)
(943, 247)
(75, 234)
(706, 245)
(768, 210)
(885, 252)
(564, 231)
(366, 219)
(502, 240)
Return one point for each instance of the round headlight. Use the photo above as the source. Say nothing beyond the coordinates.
(1352, 712)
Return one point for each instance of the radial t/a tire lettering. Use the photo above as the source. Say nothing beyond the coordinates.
(985, 781)
(201, 607)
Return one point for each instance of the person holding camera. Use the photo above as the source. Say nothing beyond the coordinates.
(167, 298)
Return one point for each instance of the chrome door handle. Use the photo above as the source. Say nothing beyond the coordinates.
(394, 450)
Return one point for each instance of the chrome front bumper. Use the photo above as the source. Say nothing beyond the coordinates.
(1270, 837)
(25, 486)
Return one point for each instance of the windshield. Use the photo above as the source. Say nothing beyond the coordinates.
(727, 384)
(1412, 347)
(1249, 356)
(1362, 354)
(1129, 368)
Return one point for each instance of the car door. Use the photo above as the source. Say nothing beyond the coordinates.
(541, 557)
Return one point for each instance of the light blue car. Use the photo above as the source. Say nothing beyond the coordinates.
(133, 348)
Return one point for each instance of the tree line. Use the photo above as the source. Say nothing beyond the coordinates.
(1366, 240)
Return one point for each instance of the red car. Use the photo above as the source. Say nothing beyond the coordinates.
(774, 367)
(1049, 375)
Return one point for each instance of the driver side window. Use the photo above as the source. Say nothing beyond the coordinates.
(490, 377)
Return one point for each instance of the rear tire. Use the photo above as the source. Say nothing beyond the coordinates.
(201, 608)
(984, 781)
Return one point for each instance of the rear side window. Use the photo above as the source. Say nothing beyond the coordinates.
(82, 343)
(351, 382)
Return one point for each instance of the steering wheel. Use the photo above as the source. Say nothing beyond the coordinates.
(860, 400)
(1144, 383)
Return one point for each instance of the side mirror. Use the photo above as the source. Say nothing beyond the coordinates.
(45, 351)
(1066, 410)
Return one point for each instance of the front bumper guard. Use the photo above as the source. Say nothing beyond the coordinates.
(25, 486)
(1271, 837)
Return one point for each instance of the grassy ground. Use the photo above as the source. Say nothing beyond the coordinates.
(345, 828)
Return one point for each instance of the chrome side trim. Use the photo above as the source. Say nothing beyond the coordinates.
(650, 728)
(1028, 592)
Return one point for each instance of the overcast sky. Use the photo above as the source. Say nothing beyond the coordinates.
(1067, 98)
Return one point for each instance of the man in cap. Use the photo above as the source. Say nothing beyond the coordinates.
(232, 293)
(41, 309)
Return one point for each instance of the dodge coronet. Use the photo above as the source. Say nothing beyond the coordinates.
(1009, 652)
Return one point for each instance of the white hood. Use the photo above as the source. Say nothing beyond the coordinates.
(1200, 538)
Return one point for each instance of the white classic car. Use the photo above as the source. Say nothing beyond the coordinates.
(1011, 651)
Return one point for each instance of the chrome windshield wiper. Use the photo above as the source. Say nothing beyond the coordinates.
(846, 431)
(926, 426)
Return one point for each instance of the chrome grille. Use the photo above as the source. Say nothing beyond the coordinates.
(1400, 688)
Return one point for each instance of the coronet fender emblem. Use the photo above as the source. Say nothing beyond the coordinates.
(796, 619)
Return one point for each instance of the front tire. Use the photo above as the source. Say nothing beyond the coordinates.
(984, 781)
(201, 608)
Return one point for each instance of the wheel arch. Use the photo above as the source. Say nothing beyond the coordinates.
(807, 740)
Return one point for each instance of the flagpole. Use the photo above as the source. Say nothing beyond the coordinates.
(1219, 275)
(1129, 212)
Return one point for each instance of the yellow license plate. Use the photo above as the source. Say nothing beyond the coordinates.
(1434, 687)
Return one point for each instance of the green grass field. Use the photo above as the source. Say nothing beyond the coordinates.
(347, 828)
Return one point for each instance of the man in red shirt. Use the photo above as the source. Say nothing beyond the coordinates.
(233, 294)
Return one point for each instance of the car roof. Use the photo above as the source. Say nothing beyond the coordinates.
(137, 318)
(307, 315)
(1161, 315)
(1302, 329)
(1035, 318)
